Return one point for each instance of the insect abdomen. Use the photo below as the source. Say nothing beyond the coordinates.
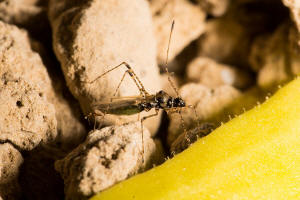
(129, 110)
(125, 107)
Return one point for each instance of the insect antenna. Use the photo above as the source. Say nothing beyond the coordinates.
(169, 75)
(167, 58)
(173, 85)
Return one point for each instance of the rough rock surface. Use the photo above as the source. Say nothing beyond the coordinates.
(294, 6)
(276, 56)
(19, 11)
(26, 116)
(19, 59)
(106, 157)
(17, 56)
(212, 74)
(214, 7)
(10, 159)
(207, 102)
(189, 25)
(101, 35)
(29, 14)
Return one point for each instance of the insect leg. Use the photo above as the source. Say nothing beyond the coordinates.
(139, 87)
(93, 115)
(177, 110)
(90, 82)
(142, 126)
(135, 78)
(195, 112)
(130, 72)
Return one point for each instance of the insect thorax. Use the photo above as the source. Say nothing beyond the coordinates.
(161, 100)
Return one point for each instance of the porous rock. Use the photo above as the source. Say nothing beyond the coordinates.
(108, 156)
(10, 159)
(189, 25)
(207, 103)
(17, 55)
(29, 14)
(276, 56)
(27, 118)
(19, 59)
(99, 36)
(19, 11)
(212, 74)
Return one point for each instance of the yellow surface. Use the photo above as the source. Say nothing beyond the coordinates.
(254, 156)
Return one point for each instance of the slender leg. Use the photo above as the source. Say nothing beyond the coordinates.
(196, 115)
(130, 72)
(94, 114)
(133, 74)
(178, 110)
(88, 116)
(134, 77)
(140, 89)
(142, 126)
(171, 82)
(139, 115)
(104, 73)
(182, 122)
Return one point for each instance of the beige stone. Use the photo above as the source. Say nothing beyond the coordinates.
(189, 25)
(19, 59)
(207, 103)
(214, 7)
(19, 11)
(108, 156)
(157, 5)
(212, 74)
(29, 14)
(276, 56)
(225, 41)
(11, 160)
(294, 6)
(27, 118)
(101, 35)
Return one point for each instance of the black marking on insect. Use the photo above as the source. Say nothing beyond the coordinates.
(144, 102)
(137, 104)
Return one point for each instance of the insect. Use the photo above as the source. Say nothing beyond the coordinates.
(136, 104)
(144, 102)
